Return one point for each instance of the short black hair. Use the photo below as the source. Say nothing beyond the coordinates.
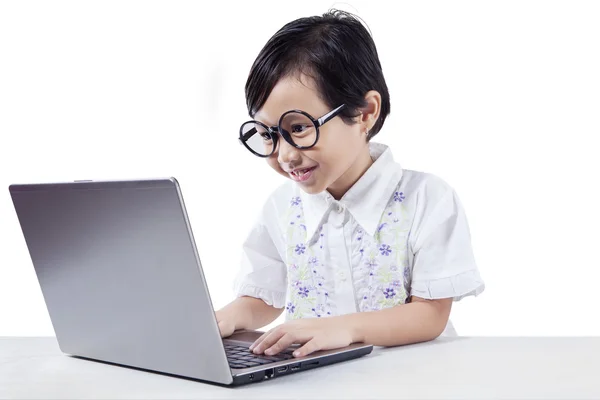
(336, 51)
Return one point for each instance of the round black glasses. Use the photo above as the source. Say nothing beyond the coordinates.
(297, 127)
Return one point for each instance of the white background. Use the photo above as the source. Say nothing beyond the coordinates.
(500, 99)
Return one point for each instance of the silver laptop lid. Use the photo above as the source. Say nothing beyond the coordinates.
(120, 274)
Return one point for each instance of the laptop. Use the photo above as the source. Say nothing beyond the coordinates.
(123, 284)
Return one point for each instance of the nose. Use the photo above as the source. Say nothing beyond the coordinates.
(288, 154)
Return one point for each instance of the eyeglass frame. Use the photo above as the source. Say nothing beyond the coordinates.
(273, 130)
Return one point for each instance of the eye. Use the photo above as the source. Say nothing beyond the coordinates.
(265, 136)
(299, 128)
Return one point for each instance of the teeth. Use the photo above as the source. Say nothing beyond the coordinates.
(300, 173)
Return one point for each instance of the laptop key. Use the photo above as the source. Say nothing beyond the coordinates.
(252, 364)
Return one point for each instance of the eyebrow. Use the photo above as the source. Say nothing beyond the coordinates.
(255, 119)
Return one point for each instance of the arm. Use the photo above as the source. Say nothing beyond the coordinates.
(245, 313)
(418, 321)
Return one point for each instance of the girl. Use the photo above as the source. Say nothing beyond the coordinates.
(352, 248)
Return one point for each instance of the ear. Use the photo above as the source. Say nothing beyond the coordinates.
(371, 111)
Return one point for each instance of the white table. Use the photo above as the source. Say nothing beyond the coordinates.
(458, 368)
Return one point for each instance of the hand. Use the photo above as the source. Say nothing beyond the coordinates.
(314, 333)
(226, 324)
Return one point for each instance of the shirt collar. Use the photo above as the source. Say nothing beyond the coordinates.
(365, 200)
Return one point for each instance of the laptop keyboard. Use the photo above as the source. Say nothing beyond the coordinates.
(242, 357)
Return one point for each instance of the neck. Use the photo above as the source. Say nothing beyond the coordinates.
(353, 174)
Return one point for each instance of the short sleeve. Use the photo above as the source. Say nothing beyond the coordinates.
(443, 261)
(262, 274)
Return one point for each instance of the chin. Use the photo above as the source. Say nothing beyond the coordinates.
(311, 190)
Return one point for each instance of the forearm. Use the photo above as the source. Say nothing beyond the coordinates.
(250, 313)
(414, 322)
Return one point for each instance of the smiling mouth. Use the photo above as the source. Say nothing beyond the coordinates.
(301, 172)
(302, 175)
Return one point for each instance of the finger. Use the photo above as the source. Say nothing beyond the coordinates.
(269, 340)
(310, 347)
(283, 343)
(260, 339)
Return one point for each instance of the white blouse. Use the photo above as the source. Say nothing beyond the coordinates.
(394, 234)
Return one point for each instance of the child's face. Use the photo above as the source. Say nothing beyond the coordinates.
(333, 161)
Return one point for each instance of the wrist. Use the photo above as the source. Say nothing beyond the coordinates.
(354, 325)
(228, 314)
(240, 313)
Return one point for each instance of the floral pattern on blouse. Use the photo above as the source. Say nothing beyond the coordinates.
(380, 267)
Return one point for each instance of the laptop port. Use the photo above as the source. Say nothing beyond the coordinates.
(269, 373)
(295, 367)
(281, 370)
(310, 364)
(251, 377)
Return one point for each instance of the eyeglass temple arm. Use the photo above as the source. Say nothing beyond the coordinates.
(248, 134)
(330, 115)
